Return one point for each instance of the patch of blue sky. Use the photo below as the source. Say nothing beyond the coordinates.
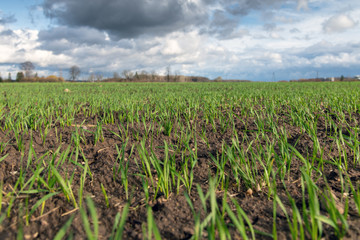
(252, 19)
(27, 13)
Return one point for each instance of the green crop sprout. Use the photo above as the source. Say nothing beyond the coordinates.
(292, 148)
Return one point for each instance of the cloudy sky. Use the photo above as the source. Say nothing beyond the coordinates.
(235, 39)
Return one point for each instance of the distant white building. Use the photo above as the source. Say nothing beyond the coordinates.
(332, 79)
(357, 77)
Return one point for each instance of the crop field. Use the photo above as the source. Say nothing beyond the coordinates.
(180, 160)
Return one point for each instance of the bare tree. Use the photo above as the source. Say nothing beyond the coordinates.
(144, 75)
(168, 73)
(74, 72)
(116, 75)
(91, 77)
(153, 75)
(28, 68)
(128, 74)
(177, 76)
(99, 77)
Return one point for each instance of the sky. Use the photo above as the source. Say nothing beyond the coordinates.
(259, 40)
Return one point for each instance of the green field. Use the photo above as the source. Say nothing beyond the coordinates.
(180, 160)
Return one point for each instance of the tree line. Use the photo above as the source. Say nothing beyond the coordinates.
(26, 74)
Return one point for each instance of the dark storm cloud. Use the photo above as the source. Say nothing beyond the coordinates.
(73, 35)
(7, 19)
(8, 33)
(126, 18)
(58, 46)
(132, 18)
(63, 39)
(66, 39)
(222, 25)
(243, 7)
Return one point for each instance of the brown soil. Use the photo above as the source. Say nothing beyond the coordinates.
(173, 216)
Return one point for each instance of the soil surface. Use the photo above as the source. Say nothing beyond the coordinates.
(173, 216)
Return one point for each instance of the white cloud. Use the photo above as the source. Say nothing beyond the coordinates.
(172, 48)
(276, 57)
(343, 59)
(21, 45)
(302, 4)
(338, 23)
